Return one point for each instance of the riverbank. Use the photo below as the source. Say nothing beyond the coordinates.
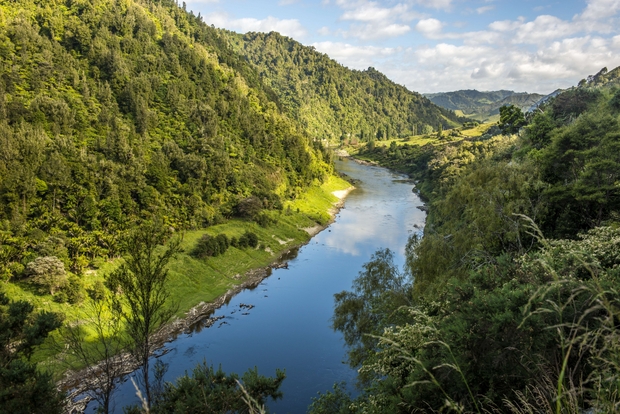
(236, 270)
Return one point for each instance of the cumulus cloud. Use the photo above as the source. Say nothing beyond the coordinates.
(537, 54)
(286, 27)
(372, 20)
(430, 28)
(355, 57)
(600, 9)
(559, 63)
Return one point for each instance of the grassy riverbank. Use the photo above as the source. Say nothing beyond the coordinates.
(192, 280)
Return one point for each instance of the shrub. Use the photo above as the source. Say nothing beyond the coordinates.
(222, 242)
(75, 290)
(61, 297)
(209, 246)
(248, 239)
(97, 291)
(47, 272)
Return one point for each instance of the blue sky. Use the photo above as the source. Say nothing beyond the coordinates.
(444, 45)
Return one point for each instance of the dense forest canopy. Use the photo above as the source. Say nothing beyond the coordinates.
(332, 101)
(112, 111)
(509, 303)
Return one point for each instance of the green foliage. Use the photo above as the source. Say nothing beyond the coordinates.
(248, 239)
(142, 292)
(539, 129)
(336, 401)
(24, 389)
(331, 101)
(209, 246)
(511, 119)
(501, 318)
(47, 272)
(211, 391)
(582, 167)
(378, 293)
(140, 108)
(97, 292)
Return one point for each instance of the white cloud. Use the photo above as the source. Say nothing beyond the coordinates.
(430, 28)
(435, 4)
(356, 57)
(560, 63)
(287, 2)
(544, 28)
(484, 9)
(286, 27)
(600, 9)
(371, 20)
(375, 31)
(370, 12)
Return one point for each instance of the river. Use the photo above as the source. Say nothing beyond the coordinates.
(288, 326)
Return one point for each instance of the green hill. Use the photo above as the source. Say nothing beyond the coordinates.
(114, 111)
(333, 102)
(483, 105)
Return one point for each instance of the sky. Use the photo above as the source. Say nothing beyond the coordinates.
(443, 45)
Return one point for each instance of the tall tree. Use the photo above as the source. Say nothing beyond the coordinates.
(511, 119)
(142, 291)
(23, 389)
(102, 357)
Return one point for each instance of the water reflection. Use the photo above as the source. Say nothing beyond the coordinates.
(284, 322)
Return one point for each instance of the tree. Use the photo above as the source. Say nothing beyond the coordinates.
(101, 356)
(142, 291)
(24, 389)
(511, 119)
(48, 272)
(378, 293)
(209, 391)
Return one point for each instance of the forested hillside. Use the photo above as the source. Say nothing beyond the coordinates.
(483, 105)
(112, 111)
(332, 101)
(509, 303)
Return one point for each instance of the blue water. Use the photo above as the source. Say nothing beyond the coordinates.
(289, 325)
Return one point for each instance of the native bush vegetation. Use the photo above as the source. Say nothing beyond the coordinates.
(117, 111)
(333, 102)
(513, 305)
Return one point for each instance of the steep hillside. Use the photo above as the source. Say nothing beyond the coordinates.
(332, 101)
(117, 110)
(483, 105)
(603, 78)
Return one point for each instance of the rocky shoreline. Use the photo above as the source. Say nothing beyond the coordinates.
(76, 383)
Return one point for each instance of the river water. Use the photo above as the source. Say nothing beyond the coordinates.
(288, 326)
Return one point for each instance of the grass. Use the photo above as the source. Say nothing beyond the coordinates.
(422, 140)
(477, 131)
(192, 280)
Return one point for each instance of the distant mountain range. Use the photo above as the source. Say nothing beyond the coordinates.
(482, 105)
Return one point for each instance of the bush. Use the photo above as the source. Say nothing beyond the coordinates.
(75, 290)
(97, 291)
(222, 242)
(47, 272)
(248, 239)
(209, 246)
(61, 297)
